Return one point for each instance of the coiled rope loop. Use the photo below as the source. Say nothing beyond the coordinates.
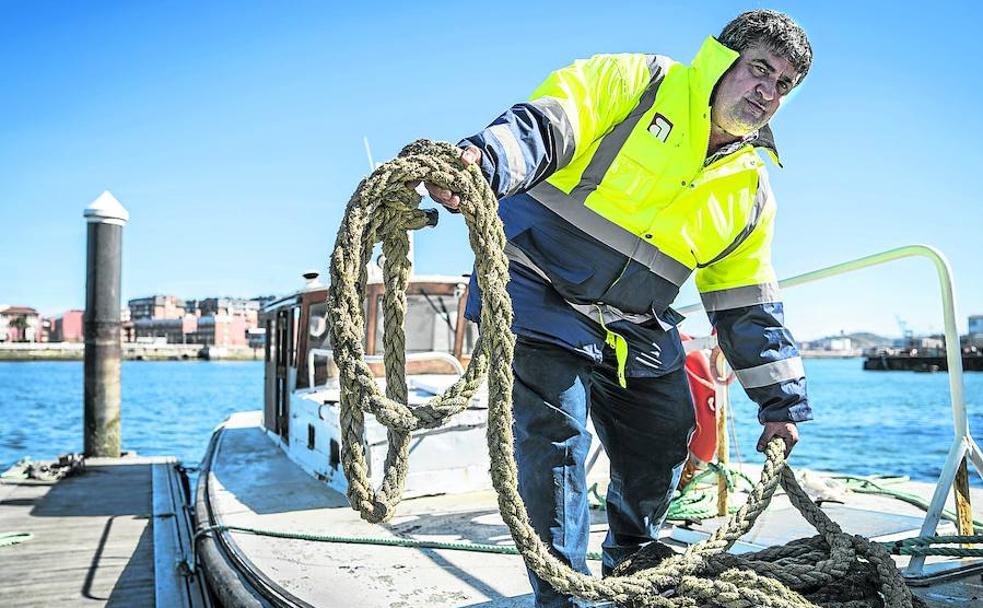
(382, 209)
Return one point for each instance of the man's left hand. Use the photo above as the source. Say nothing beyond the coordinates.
(786, 430)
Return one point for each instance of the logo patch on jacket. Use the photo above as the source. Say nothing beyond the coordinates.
(660, 127)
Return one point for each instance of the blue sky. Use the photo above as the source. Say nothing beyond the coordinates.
(233, 134)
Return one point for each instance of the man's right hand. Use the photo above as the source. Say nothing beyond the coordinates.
(450, 200)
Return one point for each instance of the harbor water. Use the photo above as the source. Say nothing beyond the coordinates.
(866, 422)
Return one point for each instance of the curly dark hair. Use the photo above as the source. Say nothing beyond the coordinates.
(777, 31)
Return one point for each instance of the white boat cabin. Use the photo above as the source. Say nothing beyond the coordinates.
(301, 411)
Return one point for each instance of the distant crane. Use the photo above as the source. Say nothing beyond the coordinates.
(907, 334)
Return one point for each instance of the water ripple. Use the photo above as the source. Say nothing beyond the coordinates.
(866, 422)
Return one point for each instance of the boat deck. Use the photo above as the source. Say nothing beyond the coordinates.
(108, 536)
(252, 483)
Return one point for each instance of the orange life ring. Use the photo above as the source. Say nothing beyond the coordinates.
(703, 442)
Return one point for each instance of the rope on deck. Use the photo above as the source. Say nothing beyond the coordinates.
(9, 539)
(928, 545)
(696, 501)
(881, 485)
(383, 541)
(382, 209)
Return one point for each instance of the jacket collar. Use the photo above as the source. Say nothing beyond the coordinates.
(711, 62)
(707, 68)
(766, 139)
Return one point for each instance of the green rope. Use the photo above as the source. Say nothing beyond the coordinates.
(923, 545)
(911, 546)
(697, 500)
(9, 539)
(410, 543)
(16, 471)
(694, 506)
(876, 485)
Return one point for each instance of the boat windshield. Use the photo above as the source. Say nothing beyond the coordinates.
(318, 335)
(431, 324)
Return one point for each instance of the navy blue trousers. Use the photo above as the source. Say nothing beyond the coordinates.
(644, 428)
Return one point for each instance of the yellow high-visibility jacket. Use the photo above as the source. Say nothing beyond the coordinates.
(610, 204)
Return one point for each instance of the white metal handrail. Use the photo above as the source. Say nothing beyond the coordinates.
(963, 445)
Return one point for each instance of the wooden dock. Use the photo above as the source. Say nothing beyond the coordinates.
(112, 535)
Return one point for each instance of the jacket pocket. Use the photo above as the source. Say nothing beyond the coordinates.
(580, 268)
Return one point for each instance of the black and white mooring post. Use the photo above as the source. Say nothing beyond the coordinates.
(104, 252)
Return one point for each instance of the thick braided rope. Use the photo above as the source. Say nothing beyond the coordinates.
(383, 208)
(818, 566)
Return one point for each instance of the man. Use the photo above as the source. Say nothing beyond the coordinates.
(620, 177)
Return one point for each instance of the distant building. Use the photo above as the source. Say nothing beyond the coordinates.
(127, 333)
(171, 331)
(45, 328)
(830, 343)
(220, 330)
(247, 310)
(215, 321)
(930, 342)
(262, 301)
(974, 338)
(156, 307)
(19, 324)
(256, 337)
(67, 327)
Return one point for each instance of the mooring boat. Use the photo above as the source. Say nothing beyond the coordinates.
(277, 530)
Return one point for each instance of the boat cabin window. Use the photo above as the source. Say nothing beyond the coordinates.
(295, 325)
(431, 323)
(318, 345)
(434, 323)
(318, 335)
(281, 355)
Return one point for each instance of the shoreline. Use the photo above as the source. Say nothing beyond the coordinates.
(830, 354)
(131, 351)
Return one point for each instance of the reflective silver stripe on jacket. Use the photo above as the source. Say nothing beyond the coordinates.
(739, 297)
(760, 200)
(513, 156)
(609, 233)
(771, 373)
(612, 143)
(571, 206)
(560, 128)
(604, 313)
(608, 314)
(560, 125)
(519, 256)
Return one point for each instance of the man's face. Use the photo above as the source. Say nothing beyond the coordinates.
(751, 91)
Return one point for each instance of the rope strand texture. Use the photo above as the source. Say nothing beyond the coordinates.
(383, 209)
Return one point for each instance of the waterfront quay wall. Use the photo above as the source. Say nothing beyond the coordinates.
(830, 354)
(133, 351)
